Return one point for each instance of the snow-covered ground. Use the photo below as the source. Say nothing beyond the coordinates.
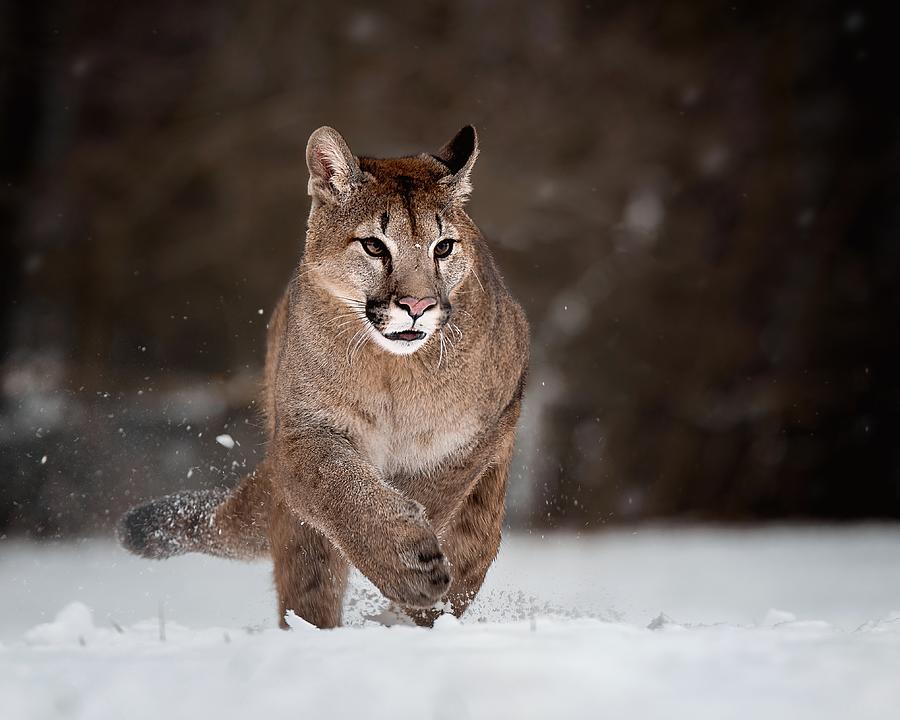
(646, 623)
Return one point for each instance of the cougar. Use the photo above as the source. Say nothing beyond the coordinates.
(395, 366)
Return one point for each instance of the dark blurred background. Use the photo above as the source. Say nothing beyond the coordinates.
(697, 202)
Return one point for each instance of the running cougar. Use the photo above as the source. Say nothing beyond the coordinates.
(395, 366)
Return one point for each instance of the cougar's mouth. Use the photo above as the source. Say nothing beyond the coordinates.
(406, 335)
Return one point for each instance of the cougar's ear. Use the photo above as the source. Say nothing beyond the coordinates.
(459, 156)
(333, 170)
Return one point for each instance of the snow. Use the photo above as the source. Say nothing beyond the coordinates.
(225, 440)
(650, 623)
(74, 623)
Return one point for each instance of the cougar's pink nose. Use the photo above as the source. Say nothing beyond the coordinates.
(416, 306)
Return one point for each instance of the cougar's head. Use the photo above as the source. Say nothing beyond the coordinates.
(390, 239)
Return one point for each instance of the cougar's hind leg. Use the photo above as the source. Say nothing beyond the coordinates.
(241, 523)
(310, 573)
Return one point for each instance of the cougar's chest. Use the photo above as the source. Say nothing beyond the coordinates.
(413, 437)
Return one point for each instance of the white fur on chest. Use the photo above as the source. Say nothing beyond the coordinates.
(393, 448)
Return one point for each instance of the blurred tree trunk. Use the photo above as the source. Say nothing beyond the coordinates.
(22, 27)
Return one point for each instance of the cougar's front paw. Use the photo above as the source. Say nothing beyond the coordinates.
(421, 575)
(428, 572)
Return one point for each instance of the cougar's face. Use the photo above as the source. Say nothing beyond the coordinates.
(389, 239)
(395, 275)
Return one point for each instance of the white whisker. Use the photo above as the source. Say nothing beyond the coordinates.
(352, 301)
(360, 343)
(352, 339)
(347, 322)
(343, 332)
(353, 316)
(344, 327)
(451, 346)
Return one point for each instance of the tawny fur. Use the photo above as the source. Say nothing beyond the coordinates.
(394, 463)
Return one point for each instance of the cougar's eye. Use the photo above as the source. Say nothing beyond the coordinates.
(374, 246)
(443, 248)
